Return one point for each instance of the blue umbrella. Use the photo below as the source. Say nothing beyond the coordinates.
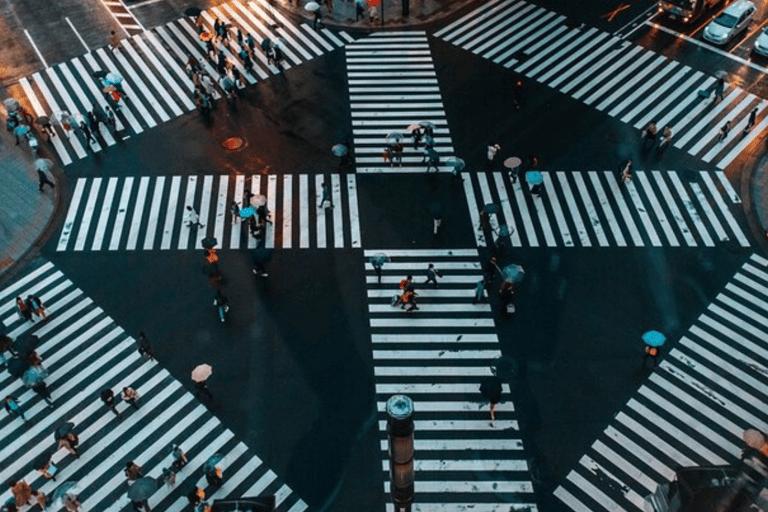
(513, 273)
(212, 462)
(22, 129)
(113, 78)
(534, 178)
(246, 212)
(654, 339)
(379, 259)
(35, 375)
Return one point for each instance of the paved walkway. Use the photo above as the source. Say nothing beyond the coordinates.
(25, 213)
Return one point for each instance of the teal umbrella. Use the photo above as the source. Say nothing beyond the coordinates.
(654, 338)
(513, 273)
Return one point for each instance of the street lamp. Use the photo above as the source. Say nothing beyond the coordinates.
(401, 464)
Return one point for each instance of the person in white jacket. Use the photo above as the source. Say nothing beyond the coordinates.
(192, 218)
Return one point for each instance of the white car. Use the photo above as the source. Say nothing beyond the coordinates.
(761, 43)
(730, 22)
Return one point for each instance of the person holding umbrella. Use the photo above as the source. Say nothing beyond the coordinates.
(652, 342)
(45, 466)
(377, 261)
(213, 471)
(490, 388)
(69, 442)
(200, 376)
(261, 256)
(108, 397)
(140, 492)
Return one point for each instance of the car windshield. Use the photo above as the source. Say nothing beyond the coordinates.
(726, 20)
(685, 4)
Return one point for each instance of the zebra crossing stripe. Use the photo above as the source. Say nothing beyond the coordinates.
(617, 77)
(613, 222)
(693, 408)
(170, 213)
(98, 239)
(581, 230)
(75, 324)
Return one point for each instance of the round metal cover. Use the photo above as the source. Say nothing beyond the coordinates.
(233, 143)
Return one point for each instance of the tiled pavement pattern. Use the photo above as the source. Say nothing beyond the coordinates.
(595, 209)
(85, 352)
(146, 213)
(694, 408)
(438, 356)
(152, 64)
(612, 75)
(392, 84)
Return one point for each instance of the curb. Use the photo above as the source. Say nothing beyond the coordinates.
(752, 169)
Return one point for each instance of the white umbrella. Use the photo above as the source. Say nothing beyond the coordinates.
(312, 6)
(43, 164)
(202, 372)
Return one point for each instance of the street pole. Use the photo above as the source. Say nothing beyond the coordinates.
(401, 464)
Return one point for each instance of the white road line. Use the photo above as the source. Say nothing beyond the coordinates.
(69, 221)
(506, 208)
(729, 190)
(659, 82)
(77, 34)
(40, 111)
(106, 207)
(37, 51)
(675, 96)
(287, 233)
(162, 70)
(122, 213)
(629, 81)
(321, 238)
(573, 209)
(86, 102)
(676, 213)
(592, 216)
(642, 212)
(98, 95)
(611, 48)
(73, 140)
(189, 200)
(354, 215)
(170, 213)
(704, 203)
(255, 189)
(691, 209)
(154, 213)
(338, 219)
(724, 209)
(221, 209)
(659, 89)
(562, 225)
(237, 222)
(136, 100)
(90, 206)
(661, 217)
(613, 222)
(271, 201)
(137, 81)
(305, 202)
(205, 208)
(138, 211)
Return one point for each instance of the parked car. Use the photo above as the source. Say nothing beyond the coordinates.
(761, 43)
(730, 22)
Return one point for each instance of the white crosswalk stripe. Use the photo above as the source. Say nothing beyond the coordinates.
(617, 77)
(693, 409)
(157, 87)
(85, 352)
(438, 356)
(593, 209)
(156, 207)
(392, 85)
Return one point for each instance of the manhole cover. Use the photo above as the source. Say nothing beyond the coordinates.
(233, 143)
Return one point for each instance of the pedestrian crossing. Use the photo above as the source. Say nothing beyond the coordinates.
(438, 356)
(691, 411)
(595, 209)
(132, 213)
(392, 84)
(157, 87)
(124, 17)
(614, 76)
(84, 352)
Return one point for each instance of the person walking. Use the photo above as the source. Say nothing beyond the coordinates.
(359, 10)
(666, 136)
(489, 271)
(201, 388)
(132, 471)
(108, 397)
(723, 133)
(397, 154)
(22, 310)
(214, 477)
(719, 90)
(490, 156)
(41, 389)
(491, 389)
(131, 396)
(377, 263)
(168, 476)
(260, 269)
(23, 494)
(751, 121)
(36, 306)
(63, 119)
(6, 345)
(649, 135)
(221, 303)
(326, 195)
(409, 299)
(71, 503)
(144, 349)
(69, 442)
(110, 119)
(13, 408)
(43, 180)
(626, 172)
(114, 41)
(234, 210)
(479, 292)
(263, 214)
(433, 161)
(192, 218)
(87, 133)
(179, 457)
(49, 469)
(432, 275)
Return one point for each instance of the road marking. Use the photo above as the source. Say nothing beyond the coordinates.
(77, 34)
(39, 55)
(141, 4)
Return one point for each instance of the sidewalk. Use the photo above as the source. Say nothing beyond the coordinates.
(343, 12)
(25, 212)
(755, 192)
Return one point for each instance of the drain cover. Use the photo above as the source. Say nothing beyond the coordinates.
(233, 143)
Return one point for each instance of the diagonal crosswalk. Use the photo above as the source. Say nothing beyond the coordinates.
(692, 410)
(157, 87)
(148, 213)
(392, 84)
(85, 351)
(612, 75)
(594, 209)
(438, 356)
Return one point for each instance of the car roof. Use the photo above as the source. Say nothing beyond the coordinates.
(739, 7)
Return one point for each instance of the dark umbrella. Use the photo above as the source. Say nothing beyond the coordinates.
(192, 11)
(209, 242)
(99, 74)
(27, 343)
(43, 120)
(42, 460)
(212, 462)
(63, 430)
(142, 489)
(17, 367)
(379, 259)
(491, 209)
(266, 43)
(262, 255)
(490, 388)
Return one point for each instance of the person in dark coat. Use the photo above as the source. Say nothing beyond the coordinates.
(108, 397)
(491, 390)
